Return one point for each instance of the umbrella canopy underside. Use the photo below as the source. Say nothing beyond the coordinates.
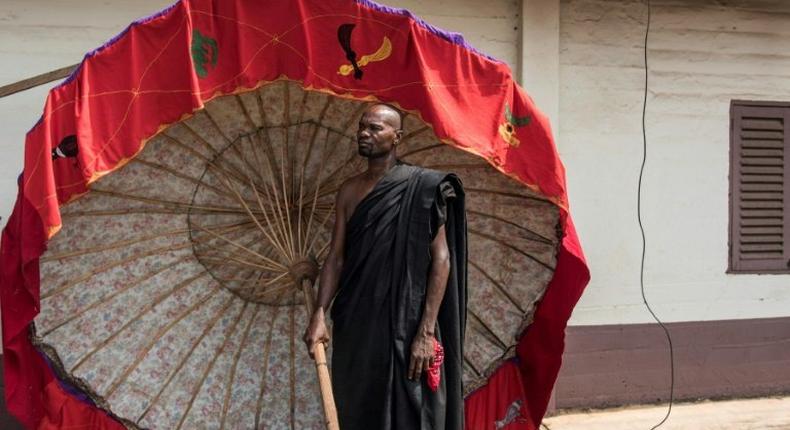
(168, 295)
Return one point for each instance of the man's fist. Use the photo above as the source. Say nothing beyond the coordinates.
(316, 332)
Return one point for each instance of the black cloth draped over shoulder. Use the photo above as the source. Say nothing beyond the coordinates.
(381, 297)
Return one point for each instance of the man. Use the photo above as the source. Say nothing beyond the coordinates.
(396, 269)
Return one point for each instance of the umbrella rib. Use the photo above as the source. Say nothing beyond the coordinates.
(234, 148)
(418, 150)
(210, 366)
(209, 162)
(488, 329)
(274, 264)
(270, 157)
(178, 174)
(140, 355)
(472, 366)
(236, 358)
(308, 153)
(507, 245)
(108, 266)
(499, 287)
(107, 298)
(323, 223)
(453, 166)
(247, 115)
(220, 313)
(292, 373)
(228, 144)
(122, 243)
(171, 203)
(280, 289)
(147, 308)
(234, 168)
(286, 161)
(273, 238)
(538, 237)
(318, 183)
(266, 354)
(508, 194)
(240, 199)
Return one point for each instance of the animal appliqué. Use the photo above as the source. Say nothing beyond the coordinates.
(513, 414)
(344, 37)
(204, 53)
(508, 129)
(67, 148)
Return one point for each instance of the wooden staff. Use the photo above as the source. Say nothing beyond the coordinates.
(305, 273)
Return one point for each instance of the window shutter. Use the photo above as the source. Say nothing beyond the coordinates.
(760, 193)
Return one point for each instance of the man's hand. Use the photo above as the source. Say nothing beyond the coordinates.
(316, 332)
(422, 355)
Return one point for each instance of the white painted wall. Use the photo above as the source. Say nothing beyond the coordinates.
(703, 53)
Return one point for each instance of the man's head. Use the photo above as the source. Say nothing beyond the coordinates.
(379, 131)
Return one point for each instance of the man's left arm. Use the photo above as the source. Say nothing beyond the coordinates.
(422, 348)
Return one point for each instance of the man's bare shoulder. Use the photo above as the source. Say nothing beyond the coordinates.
(349, 187)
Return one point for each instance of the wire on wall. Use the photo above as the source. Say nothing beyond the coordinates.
(644, 240)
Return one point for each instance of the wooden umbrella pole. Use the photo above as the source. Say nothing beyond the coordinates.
(324, 381)
(304, 272)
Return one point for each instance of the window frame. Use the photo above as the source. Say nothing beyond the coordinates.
(734, 177)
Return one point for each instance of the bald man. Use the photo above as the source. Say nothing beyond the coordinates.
(396, 270)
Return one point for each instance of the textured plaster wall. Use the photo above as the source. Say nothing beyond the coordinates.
(702, 54)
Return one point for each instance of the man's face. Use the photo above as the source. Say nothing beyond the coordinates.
(378, 133)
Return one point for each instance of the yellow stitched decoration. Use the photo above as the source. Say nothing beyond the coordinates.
(508, 129)
(384, 51)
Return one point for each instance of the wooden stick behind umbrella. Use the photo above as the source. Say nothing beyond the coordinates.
(304, 274)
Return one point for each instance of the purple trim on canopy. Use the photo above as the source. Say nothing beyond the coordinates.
(74, 391)
(114, 39)
(449, 36)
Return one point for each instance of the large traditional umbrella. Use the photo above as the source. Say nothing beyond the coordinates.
(192, 173)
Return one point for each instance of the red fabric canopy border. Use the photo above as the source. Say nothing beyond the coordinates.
(167, 66)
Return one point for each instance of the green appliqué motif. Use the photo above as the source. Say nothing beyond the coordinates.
(204, 52)
(517, 121)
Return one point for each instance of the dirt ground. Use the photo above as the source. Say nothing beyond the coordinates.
(771, 413)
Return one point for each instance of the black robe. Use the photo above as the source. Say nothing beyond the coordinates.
(380, 301)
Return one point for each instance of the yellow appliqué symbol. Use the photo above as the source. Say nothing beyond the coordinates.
(355, 65)
(508, 129)
(384, 51)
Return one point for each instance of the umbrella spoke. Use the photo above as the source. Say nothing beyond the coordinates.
(273, 264)
(506, 244)
(154, 339)
(267, 349)
(209, 161)
(178, 174)
(487, 332)
(292, 373)
(210, 366)
(147, 308)
(127, 242)
(306, 159)
(533, 235)
(103, 268)
(498, 286)
(212, 322)
(507, 194)
(105, 299)
(236, 357)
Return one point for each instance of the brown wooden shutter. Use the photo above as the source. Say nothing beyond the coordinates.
(759, 188)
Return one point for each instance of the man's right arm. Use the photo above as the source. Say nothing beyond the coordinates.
(330, 274)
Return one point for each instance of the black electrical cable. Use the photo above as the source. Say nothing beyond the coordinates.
(644, 241)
